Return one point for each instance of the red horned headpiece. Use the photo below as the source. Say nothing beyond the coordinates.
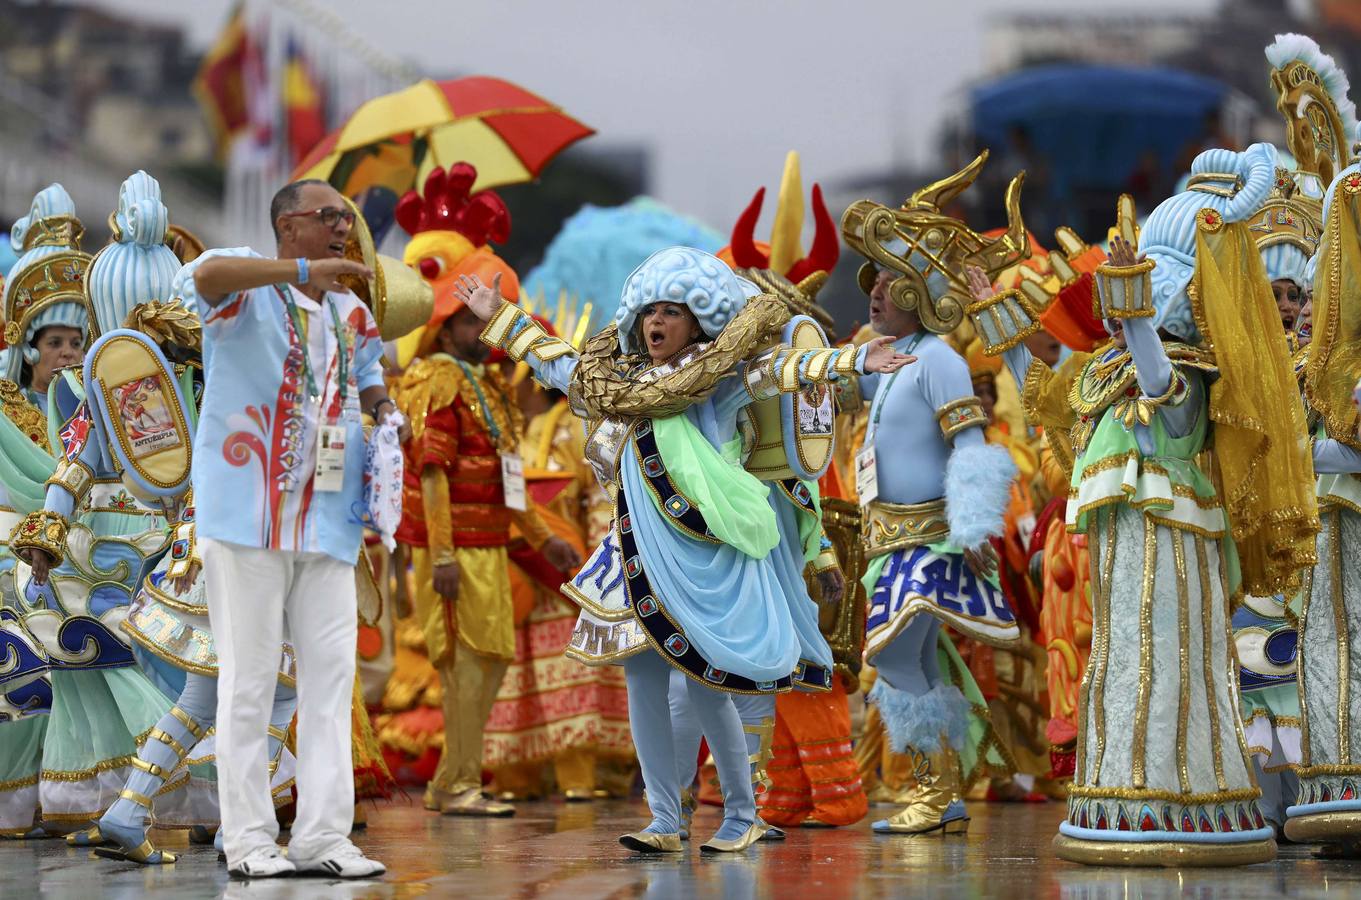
(821, 257)
(448, 204)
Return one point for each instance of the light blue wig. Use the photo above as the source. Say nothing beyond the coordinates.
(699, 280)
(137, 267)
(1168, 236)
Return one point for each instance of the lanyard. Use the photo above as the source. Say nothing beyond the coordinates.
(487, 418)
(342, 345)
(881, 396)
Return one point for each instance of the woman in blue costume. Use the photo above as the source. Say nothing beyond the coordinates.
(686, 578)
(167, 619)
(101, 703)
(25, 689)
(802, 543)
(1198, 362)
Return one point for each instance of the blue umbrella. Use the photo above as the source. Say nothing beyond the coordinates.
(1094, 123)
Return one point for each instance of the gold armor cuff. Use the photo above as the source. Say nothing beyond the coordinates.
(1003, 321)
(960, 414)
(43, 530)
(499, 326)
(74, 476)
(529, 338)
(825, 561)
(814, 365)
(761, 383)
(1125, 292)
(886, 527)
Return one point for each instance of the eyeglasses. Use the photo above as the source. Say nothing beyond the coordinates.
(329, 215)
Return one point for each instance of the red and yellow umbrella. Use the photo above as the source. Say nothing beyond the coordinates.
(395, 140)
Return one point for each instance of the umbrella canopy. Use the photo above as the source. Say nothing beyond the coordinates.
(1093, 123)
(395, 140)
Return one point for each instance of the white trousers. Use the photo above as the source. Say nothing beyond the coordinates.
(249, 592)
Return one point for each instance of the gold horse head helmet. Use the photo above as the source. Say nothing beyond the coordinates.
(929, 249)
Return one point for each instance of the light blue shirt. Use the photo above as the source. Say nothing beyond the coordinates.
(255, 449)
(909, 448)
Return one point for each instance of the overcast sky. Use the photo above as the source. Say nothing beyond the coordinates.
(718, 90)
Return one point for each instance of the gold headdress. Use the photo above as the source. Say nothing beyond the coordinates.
(1288, 217)
(1311, 93)
(929, 249)
(52, 279)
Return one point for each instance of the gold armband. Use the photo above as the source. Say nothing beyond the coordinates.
(1125, 292)
(960, 414)
(1003, 321)
(515, 332)
(760, 381)
(74, 476)
(826, 558)
(44, 530)
(819, 363)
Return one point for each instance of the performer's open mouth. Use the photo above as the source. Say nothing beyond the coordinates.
(337, 248)
(656, 337)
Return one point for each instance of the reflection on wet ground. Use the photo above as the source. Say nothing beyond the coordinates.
(560, 850)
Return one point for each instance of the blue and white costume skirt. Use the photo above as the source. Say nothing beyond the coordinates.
(933, 579)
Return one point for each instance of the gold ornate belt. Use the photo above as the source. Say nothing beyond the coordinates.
(892, 526)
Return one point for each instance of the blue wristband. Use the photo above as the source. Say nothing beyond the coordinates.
(302, 270)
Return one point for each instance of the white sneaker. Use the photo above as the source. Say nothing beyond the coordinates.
(267, 862)
(347, 861)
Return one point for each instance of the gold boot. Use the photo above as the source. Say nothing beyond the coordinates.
(936, 807)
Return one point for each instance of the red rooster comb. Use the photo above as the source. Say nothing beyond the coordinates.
(448, 204)
(822, 256)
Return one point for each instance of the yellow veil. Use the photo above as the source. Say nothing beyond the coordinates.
(1261, 446)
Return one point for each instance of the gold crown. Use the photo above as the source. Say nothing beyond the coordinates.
(918, 240)
(56, 278)
(1288, 217)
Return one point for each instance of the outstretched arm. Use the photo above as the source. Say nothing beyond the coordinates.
(220, 277)
(514, 331)
(1017, 358)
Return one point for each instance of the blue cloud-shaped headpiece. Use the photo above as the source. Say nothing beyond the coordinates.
(699, 280)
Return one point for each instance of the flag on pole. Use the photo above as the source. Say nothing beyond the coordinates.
(220, 83)
(304, 107)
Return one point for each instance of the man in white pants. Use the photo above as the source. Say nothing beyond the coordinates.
(291, 358)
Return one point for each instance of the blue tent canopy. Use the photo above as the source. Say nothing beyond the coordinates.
(1094, 123)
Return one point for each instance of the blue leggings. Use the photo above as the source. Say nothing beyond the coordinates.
(909, 662)
(649, 682)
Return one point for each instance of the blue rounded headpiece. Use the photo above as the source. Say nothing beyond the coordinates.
(1234, 184)
(699, 280)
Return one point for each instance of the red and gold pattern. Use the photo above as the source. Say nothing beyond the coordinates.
(551, 708)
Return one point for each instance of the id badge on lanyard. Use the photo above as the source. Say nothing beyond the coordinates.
(330, 472)
(513, 481)
(866, 475)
